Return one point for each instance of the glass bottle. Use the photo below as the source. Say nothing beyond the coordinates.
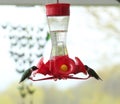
(58, 18)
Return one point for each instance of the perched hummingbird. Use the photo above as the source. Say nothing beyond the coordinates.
(27, 73)
(92, 73)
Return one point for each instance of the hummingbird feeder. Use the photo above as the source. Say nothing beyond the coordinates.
(60, 65)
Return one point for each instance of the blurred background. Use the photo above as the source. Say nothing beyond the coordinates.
(93, 35)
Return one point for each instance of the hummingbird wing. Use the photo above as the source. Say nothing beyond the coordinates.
(25, 75)
(92, 73)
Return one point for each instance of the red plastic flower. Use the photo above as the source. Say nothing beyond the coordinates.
(60, 67)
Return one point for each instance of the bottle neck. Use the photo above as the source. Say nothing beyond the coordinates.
(58, 39)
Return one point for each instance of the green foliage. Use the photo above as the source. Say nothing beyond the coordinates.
(47, 37)
(5, 99)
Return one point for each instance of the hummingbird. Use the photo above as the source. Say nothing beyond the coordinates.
(27, 73)
(92, 73)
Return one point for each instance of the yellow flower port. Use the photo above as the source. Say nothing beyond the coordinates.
(64, 67)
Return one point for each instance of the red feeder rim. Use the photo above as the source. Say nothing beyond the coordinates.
(58, 9)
